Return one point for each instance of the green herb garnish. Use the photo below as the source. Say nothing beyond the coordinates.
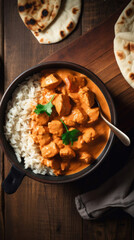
(70, 136)
(47, 108)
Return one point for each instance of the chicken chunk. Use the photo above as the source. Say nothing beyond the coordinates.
(51, 81)
(47, 95)
(81, 80)
(41, 135)
(85, 157)
(71, 83)
(78, 144)
(40, 119)
(58, 141)
(44, 139)
(67, 153)
(75, 98)
(39, 130)
(86, 97)
(68, 120)
(89, 135)
(93, 114)
(52, 163)
(50, 150)
(62, 104)
(77, 116)
(55, 127)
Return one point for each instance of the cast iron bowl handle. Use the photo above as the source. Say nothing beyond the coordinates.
(13, 180)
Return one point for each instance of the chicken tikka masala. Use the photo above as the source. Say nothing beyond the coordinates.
(65, 123)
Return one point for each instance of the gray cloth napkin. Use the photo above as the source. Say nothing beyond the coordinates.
(117, 192)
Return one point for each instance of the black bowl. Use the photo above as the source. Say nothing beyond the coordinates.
(17, 172)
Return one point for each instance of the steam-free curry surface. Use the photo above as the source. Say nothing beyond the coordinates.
(74, 103)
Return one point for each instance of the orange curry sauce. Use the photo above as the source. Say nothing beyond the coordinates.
(73, 103)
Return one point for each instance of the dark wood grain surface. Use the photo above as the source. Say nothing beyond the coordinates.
(41, 211)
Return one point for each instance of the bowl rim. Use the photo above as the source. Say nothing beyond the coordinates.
(8, 94)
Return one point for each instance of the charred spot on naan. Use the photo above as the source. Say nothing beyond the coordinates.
(44, 13)
(21, 8)
(42, 26)
(132, 47)
(70, 26)
(28, 5)
(121, 22)
(36, 34)
(62, 34)
(131, 75)
(41, 40)
(129, 62)
(75, 10)
(121, 55)
(127, 47)
(129, 12)
(30, 22)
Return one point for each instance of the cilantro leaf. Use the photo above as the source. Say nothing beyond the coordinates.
(47, 108)
(70, 136)
(73, 135)
(66, 138)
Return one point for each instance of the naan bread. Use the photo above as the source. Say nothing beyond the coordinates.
(64, 23)
(125, 22)
(124, 54)
(38, 14)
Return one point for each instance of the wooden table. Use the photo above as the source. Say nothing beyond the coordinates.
(41, 211)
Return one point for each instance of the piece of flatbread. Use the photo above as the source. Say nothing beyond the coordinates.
(124, 54)
(64, 23)
(125, 22)
(38, 14)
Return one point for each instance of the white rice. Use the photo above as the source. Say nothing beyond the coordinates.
(17, 125)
